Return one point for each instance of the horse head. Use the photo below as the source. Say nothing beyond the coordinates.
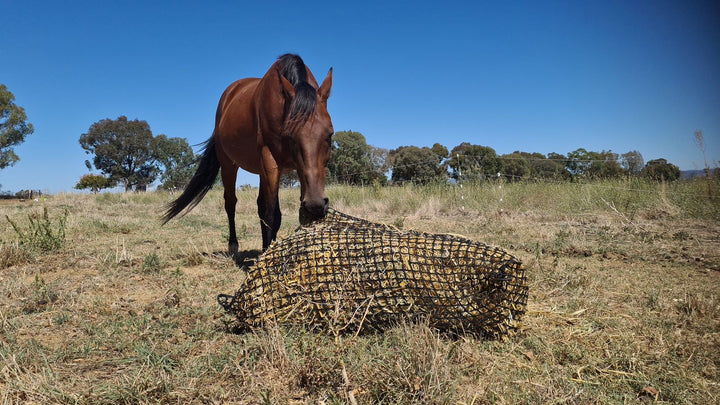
(308, 134)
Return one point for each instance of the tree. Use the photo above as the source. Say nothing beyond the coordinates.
(632, 162)
(589, 164)
(94, 182)
(578, 162)
(557, 157)
(420, 165)
(289, 180)
(515, 166)
(605, 165)
(540, 166)
(353, 161)
(380, 162)
(177, 159)
(440, 151)
(661, 170)
(473, 162)
(123, 151)
(550, 169)
(13, 127)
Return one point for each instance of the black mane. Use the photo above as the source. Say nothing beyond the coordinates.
(304, 103)
(293, 68)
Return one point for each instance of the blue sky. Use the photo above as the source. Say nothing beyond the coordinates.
(540, 76)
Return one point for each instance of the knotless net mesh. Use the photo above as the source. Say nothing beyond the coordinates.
(350, 274)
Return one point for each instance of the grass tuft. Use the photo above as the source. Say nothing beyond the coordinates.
(151, 263)
(13, 254)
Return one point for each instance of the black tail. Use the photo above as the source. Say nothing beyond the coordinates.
(201, 182)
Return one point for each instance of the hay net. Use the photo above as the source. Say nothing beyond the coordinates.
(350, 274)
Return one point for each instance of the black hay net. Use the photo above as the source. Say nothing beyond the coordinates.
(348, 274)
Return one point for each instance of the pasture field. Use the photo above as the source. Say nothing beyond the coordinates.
(100, 304)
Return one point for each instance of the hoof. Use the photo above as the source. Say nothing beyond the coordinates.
(233, 248)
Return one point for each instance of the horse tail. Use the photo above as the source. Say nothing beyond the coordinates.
(201, 182)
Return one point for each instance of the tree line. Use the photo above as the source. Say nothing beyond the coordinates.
(126, 153)
(355, 162)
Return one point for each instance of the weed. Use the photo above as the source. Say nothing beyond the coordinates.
(652, 300)
(61, 318)
(41, 233)
(41, 295)
(177, 273)
(151, 263)
(562, 238)
(266, 397)
(156, 359)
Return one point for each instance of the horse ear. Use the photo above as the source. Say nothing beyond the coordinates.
(324, 90)
(288, 88)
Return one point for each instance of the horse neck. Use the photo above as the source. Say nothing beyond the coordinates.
(269, 104)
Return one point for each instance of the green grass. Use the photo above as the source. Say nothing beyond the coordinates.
(624, 279)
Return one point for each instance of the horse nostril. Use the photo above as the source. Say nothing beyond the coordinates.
(327, 201)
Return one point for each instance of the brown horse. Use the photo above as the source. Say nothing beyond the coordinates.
(267, 126)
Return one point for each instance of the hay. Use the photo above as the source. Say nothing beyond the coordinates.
(349, 274)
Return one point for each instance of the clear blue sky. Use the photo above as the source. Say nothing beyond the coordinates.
(540, 76)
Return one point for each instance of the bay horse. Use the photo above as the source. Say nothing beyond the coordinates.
(267, 126)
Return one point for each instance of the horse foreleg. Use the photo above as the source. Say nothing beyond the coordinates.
(268, 201)
(229, 176)
(269, 212)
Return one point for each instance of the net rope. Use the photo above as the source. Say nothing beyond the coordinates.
(349, 274)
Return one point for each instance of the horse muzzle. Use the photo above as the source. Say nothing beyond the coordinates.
(313, 210)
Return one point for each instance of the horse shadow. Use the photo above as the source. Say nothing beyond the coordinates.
(246, 258)
(243, 259)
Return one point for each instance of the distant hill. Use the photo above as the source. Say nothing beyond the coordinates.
(689, 174)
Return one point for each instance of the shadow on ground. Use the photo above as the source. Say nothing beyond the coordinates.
(243, 259)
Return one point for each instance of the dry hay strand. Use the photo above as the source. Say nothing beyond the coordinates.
(348, 274)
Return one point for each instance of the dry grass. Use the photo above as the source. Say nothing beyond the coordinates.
(624, 282)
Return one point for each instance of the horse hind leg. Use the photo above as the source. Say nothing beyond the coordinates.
(229, 176)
